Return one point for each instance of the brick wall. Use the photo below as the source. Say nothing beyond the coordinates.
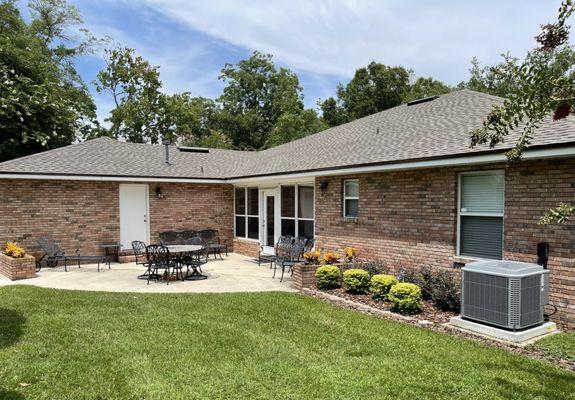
(192, 207)
(246, 247)
(77, 214)
(409, 219)
(17, 268)
(405, 217)
(80, 214)
(531, 189)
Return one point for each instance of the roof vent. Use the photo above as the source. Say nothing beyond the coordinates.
(167, 156)
(424, 100)
(193, 149)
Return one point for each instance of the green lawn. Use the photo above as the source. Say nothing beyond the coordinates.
(83, 345)
(561, 345)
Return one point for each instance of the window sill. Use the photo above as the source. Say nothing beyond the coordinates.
(247, 239)
(465, 259)
(351, 219)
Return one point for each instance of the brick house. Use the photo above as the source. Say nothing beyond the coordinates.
(401, 185)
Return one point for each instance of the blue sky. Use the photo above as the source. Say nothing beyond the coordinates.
(323, 41)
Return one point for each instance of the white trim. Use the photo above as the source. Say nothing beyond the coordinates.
(246, 216)
(454, 161)
(478, 214)
(148, 216)
(345, 197)
(107, 178)
(289, 177)
(264, 193)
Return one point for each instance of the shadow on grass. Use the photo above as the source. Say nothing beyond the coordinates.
(11, 328)
(10, 395)
(552, 383)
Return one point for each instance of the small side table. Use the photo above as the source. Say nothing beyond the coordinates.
(112, 251)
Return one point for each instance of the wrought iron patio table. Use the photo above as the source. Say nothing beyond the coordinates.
(182, 249)
(112, 251)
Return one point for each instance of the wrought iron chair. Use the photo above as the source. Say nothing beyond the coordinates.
(53, 254)
(194, 261)
(158, 260)
(187, 235)
(212, 239)
(291, 256)
(284, 242)
(195, 240)
(309, 245)
(141, 256)
(169, 237)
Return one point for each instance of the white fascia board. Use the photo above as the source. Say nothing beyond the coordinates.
(96, 178)
(445, 162)
(308, 177)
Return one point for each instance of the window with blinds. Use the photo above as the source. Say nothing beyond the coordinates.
(481, 205)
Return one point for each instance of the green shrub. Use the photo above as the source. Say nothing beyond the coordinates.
(356, 280)
(327, 277)
(405, 298)
(381, 284)
(445, 292)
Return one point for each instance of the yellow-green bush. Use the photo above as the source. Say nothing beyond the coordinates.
(327, 277)
(13, 250)
(380, 285)
(405, 298)
(356, 280)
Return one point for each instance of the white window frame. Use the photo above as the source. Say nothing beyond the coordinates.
(461, 213)
(346, 197)
(246, 215)
(297, 218)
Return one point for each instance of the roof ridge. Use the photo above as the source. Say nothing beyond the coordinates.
(480, 94)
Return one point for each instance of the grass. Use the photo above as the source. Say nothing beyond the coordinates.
(89, 345)
(561, 345)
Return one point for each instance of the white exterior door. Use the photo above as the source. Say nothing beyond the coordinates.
(133, 214)
(269, 219)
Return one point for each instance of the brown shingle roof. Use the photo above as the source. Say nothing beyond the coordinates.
(434, 129)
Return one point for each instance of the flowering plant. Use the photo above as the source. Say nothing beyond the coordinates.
(312, 257)
(331, 258)
(350, 253)
(13, 250)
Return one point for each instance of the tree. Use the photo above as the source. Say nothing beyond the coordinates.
(546, 85)
(213, 140)
(333, 113)
(135, 88)
(255, 96)
(374, 88)
(43, 102)
(292, 126)
(426, 87)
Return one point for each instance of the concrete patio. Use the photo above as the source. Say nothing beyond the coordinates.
(236, 273)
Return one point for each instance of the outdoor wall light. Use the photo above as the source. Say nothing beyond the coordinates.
(159, 193)
(323, 187)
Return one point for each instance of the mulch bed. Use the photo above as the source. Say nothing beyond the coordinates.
(430, 318)
(429, 313)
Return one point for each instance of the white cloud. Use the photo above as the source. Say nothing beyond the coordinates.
(335, 37)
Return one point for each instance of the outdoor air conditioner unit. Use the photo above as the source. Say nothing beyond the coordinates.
(507, 294)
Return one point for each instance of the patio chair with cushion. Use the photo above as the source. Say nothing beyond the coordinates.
(283, 244)
(53, 254)
(159, 262)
